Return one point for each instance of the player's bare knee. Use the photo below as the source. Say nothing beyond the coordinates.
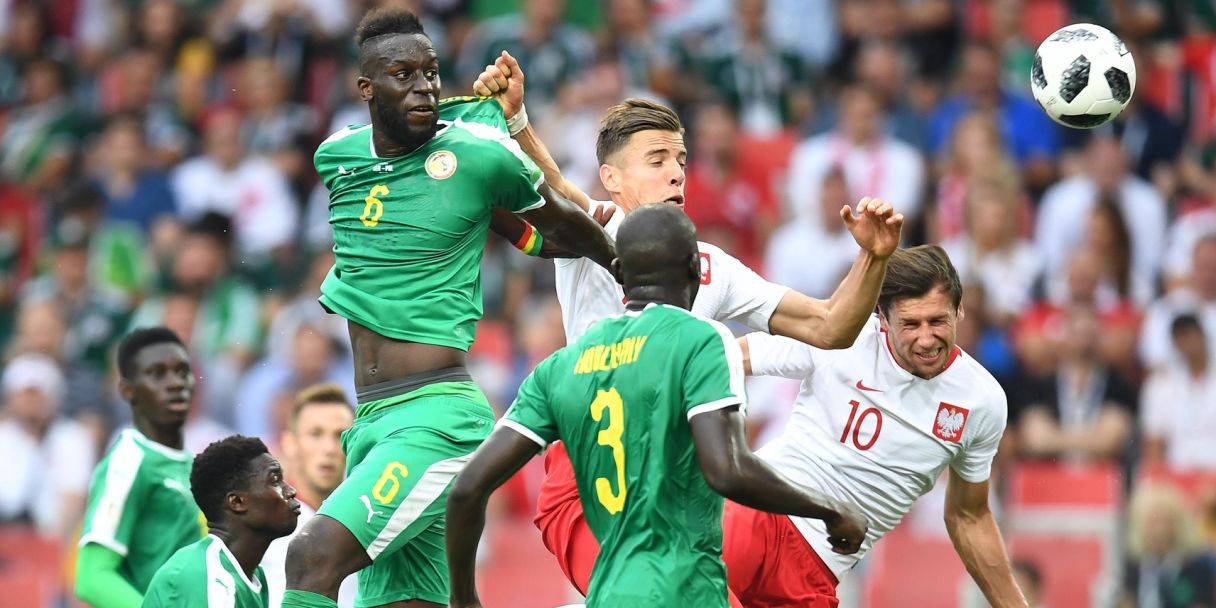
(321, 555)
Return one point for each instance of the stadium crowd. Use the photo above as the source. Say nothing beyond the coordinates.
(156, 169)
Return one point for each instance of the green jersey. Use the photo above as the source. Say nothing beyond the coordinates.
(409, 231)
(206, 575)
(140, 506)
(620, 398)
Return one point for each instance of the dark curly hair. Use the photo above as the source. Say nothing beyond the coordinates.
(384, 21)
(225, 466)
(134, 342)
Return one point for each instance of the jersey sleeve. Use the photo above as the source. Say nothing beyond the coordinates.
(530, 414)
(115, 499)
(746, 296)
(780, 356)
(713, 371)
(974, 462)
(515, 177)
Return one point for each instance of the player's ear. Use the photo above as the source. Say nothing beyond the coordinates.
(126, 389)
(610, 177)
(237, 502)
(960, 313)
(365, 88)
(615, 268)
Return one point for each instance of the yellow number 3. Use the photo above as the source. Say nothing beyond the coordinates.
(611, 437)
(373, 208)
(386, 488)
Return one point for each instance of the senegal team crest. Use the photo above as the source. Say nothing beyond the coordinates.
(441, 164)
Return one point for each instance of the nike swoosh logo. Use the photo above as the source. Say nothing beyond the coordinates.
(866, 388)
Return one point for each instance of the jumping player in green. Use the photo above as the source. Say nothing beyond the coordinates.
(240, 487)
(140, 510)
(411, 197)
(650, 406)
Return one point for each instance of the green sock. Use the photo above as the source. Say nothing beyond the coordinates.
(293, 598)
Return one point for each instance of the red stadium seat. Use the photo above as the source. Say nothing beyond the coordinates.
(907, 569)
(1195, 485)
(30, 569)
(1091, 486)
(1069, 566)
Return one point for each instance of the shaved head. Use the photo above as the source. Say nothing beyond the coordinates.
(657, 258)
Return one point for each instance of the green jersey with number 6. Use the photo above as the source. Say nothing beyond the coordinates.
(409, 231)
(621, 399)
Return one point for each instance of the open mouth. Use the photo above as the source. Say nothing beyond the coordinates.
(421, 111)
(675, 201)
(930, 356)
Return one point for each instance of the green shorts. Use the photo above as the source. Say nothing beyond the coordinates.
(401, 457)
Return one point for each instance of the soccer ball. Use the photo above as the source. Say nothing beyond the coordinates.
(1083, 76)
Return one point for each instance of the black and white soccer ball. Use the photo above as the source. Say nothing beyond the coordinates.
(1083, 76)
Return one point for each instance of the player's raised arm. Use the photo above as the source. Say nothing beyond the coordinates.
(505, 452)
(978, 541)
(570, 228)
(835, 323)
(504, 81)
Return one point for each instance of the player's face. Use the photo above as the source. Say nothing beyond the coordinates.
(272, 503)
(922, 332)
(163, 386)
(649, 169)
(400, 82)
(315, 446)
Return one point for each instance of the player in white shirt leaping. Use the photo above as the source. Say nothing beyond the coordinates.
(642, 154)
(875, 425)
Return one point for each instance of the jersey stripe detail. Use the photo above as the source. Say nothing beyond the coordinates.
(489, 133)
(343, 133)
(523, 430)
(221, 586)
(432, 483)
(121, 471)
(723, 403)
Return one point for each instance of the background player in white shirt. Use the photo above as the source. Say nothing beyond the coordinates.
(875, 425)
(642, 154)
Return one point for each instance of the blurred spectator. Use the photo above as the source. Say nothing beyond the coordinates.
(929, 27)
(1198, 297)
(302, 309)
(1165, 567)
(721, 191)
(992, 252)
(39, 135)
(311, 445)
(275, 127)
(875, 164)
(137, 85)
(976, 154)
(765, 84)
(1179, 404)
(812, 256)
(133, 191)
(249, 189)
(267, 390)
(1083, 411)
(646, 59)
(883, 67)
(551, 52)
(1032, 138)
(220, 309)
(27, 37)
(47, 458)
(1061, 223)
(20, 238)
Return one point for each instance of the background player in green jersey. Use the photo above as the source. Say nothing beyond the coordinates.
(649, 405)
(411, 197)
(140, 509)
(240, 488)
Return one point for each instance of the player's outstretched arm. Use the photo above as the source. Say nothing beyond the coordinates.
(570, 228)
(978, 541)
(835, 323)
(98, 582)
(733, 471)
(503, 453)
(504, 81)
(518, 232)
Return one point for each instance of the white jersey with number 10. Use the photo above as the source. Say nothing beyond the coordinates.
(866, 431)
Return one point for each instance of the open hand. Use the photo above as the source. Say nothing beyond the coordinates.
(847, 530)
(603, 212)
(504, 81)
(874, 225)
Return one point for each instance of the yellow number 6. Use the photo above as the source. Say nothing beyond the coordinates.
(611, 437)
(373, 208)
(388, 485)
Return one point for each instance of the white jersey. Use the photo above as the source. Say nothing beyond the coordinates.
(729, 290)
(868, 432)
(275, 560)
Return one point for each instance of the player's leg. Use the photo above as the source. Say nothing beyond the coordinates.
(566, 534)
(770, 564)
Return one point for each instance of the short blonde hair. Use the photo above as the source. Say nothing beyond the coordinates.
(325, 392)
(1153, 497)
(632, 116)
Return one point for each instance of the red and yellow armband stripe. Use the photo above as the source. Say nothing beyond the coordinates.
(531, 241)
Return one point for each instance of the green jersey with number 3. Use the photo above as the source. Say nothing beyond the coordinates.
(409, 231)
(621, 399)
